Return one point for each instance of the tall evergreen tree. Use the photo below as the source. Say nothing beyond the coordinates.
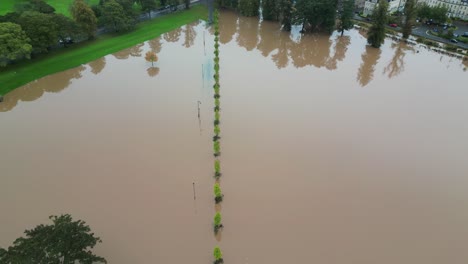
(410, 15)
(376, 34)
(345, 16)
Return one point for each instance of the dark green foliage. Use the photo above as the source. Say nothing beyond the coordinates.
(66, 27)
(270, 9)
(345, 16)
(187, 4)
(410, 15)
(65, 242)
(249, 7)
(286, 10)
(34, 5)
(315, 15)
(376, 34)
(40, 29)
(14, 43)
(148, 5)
(84, 17)
(115, 18)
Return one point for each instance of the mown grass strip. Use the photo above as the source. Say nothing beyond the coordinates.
(63, 59)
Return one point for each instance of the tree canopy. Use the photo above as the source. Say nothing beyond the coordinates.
(315, 15)
(85, 17)
(65, 241)
(14, 43)
(114, 17)
(40, 29)
(376, 34)
(345, 16)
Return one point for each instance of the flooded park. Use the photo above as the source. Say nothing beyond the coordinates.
(332, 151)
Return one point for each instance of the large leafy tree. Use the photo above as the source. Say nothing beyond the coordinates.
(14, 43)
(410, 15)
(85, 17)
(66, 27)
(376, 34)
(316, 15)
(114, 17)
(65, 241)
(346, 16)
(40, 29)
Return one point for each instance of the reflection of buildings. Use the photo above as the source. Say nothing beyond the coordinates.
(456, 8)
(393, 6)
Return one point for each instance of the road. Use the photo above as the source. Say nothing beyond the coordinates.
(422, 31)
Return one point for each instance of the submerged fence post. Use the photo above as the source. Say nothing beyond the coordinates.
(194, 197)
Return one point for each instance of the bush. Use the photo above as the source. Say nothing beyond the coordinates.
(216, 149)
(217, 222)
(217, 193)
(218, 256)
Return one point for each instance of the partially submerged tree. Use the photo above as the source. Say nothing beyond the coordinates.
(270, 9)
(65, 242)
(217, 193)
(218, 256)
(345, 16)
(410, 15)
(315, 15)
(286, 13)
(249, 7)
(217, 222)
(151, 56)
(376, 34)
(217, 167)
(216, 149)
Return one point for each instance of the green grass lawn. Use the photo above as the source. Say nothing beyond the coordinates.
(27, 71)
(61, 6)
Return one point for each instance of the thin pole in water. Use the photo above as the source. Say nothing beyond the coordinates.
(194, 197)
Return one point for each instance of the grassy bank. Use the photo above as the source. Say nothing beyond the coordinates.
(61, 6)
(27, 71)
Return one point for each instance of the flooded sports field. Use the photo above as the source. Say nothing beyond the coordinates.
(332, 152)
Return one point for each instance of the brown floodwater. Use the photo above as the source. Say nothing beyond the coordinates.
(332, 152)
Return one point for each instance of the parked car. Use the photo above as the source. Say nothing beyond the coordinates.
(454, 40)
(393, 25)
(465, 34)
(455, 35)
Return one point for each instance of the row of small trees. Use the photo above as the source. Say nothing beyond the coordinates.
(218, 195)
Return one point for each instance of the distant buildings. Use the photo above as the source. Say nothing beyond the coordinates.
(393, 6)
(456, 8)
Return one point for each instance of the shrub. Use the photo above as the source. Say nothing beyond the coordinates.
(217, 193)
(217, 222)
(216, 149)
(218, 255)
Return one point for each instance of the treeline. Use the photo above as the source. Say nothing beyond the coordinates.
(33, 27)
(316, 15)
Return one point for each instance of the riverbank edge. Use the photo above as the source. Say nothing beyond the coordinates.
(27, 71)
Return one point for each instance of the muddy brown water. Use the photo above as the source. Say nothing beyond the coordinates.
(332, 152)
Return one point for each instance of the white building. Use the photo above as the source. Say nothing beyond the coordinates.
(456, 8)
(393, 6)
